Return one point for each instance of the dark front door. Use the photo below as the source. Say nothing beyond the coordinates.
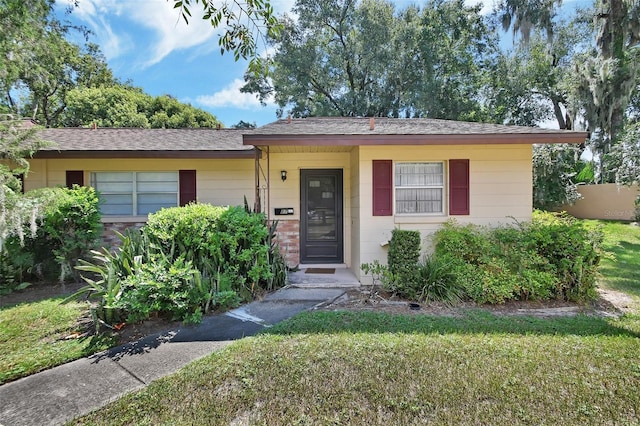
(321, 216)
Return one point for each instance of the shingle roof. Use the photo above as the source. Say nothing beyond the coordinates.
(134, 142)
(389, 126)
(359, 131)
(239, 143)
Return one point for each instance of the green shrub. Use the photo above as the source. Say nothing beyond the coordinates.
(572, 250)
(188, 261)
(171, 288)
(242, 244)
(437, 281)
(67, 230)
(404, 250)
(495, 265)
(14, 266)
(553, 256)
(402, 259)
(636, 211)
(71, 227)
(432, 279)
(188, 230)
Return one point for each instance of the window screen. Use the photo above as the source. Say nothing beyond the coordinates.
(419, 188)
(135, 193)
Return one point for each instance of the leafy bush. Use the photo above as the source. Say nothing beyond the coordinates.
(403, 256)
(404, 250)
(636, 212)
(572, 249)
(428, 280)
(241, 242)
(188, 230)
(68, 228)
(437, 281)
(71, 227)
(104, 284)
(187, 261)
(173, 288)
(13, 267)
(553, 256)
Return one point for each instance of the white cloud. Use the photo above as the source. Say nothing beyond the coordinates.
(487, 5)
(172, 32)
(95, 14)
(230, 96)
(169, 30)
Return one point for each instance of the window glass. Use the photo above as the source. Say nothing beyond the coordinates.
(135, 193)
(419, 188)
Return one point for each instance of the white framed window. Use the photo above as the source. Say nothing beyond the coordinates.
(135, 193)
(419, 188)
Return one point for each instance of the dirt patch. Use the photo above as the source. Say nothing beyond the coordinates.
(376, 300)
(616, 300)
(365, 298)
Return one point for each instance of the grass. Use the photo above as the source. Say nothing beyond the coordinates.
(369, 368)
(621, 269)
(40, 335)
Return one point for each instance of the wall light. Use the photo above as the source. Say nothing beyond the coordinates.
(283, 175)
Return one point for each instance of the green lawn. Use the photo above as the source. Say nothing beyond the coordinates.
(358, 368)
(368, 368)
(40, 335)
(621, 269)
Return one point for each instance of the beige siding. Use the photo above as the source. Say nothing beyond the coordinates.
(500, 187)
(287, 193)
(607, 201)
(218, 181)
(354, 215)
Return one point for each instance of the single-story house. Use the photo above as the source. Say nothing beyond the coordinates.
(337, 186)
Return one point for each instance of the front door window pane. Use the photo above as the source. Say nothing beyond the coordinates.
(321, 209)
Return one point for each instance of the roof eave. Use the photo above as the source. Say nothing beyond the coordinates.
(228, 154)
(440, 139)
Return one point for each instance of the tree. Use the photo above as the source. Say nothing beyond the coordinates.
(23, 24)
(17, 143)
(62, 67)
(626, 156)
(39, 64)
(607, 79)
(554, 171)
(245, 20)
(362, 58)
(167, 112)
(125, 106)
(244, 125)
(534, 82)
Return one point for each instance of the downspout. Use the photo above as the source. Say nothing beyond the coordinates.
(268, 184)
(257, 205)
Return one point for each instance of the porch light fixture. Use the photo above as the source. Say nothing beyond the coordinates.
(283, 175)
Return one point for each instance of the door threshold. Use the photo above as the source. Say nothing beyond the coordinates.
(323, 265)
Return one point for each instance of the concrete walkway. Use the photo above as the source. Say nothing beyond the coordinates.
(62, 393)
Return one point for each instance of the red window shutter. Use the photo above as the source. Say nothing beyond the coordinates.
(382, 187)
(74, 177)
(187, 186)
(458, 187)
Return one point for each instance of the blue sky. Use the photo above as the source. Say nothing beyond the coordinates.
(146, 42)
